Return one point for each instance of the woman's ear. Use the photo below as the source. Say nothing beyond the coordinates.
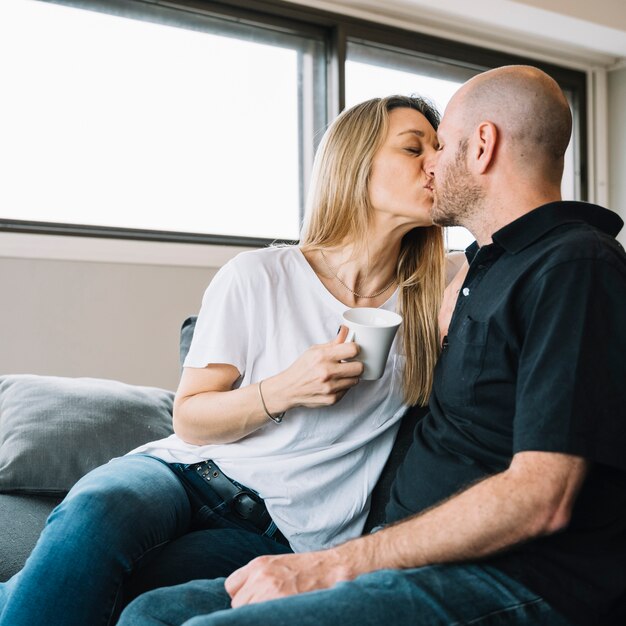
(486, 137)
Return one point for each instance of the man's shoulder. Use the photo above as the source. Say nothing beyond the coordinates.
(570, 256)
(577, 242)
(562, 231)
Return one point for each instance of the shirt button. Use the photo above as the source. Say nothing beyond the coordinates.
(465, 291)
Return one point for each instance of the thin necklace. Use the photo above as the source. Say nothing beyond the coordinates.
(354, 293)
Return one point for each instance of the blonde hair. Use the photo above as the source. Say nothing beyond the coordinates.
(339, 209)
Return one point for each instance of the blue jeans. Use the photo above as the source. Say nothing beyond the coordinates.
(449, 595)
(111, 531)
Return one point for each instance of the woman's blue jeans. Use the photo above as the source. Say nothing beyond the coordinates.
(115, 523)
(442, 595)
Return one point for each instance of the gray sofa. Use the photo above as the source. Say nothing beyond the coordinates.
(54, 430)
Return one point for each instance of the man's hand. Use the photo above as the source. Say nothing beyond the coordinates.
(271, 577)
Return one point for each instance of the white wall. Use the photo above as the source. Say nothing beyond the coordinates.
(108, 320)
(606, 12)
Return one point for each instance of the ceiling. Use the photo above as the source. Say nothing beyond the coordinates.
(587, 32)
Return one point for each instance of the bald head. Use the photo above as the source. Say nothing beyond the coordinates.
(529, 109)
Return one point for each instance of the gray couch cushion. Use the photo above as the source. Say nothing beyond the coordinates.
(54, 430)
(21, 520)
(186, 335)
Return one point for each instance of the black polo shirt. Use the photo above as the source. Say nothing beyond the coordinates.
(535, 360)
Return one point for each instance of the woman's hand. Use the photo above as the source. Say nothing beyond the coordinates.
(320, 377)
(208, 410)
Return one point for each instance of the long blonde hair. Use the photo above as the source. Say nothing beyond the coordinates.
(339, 209)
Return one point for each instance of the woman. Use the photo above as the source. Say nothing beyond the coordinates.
(276, 439)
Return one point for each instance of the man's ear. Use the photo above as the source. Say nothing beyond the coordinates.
(486, 138)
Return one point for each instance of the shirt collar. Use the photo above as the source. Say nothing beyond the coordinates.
(525, 230)
(471, 250)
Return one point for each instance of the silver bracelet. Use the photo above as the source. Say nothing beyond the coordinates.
(277, 419)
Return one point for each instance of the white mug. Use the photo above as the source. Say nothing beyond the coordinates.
(373, 331)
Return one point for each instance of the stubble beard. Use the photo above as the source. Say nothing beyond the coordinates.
(456, 198)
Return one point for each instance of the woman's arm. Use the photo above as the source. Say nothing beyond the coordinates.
(456, 271)
(208, 410)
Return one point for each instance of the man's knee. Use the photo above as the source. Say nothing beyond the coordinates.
(177, 604)
(145, 609)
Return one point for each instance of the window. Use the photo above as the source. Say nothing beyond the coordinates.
(374, 70)
(199, 122)
(172, 122)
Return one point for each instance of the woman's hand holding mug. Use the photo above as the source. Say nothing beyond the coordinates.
(320, 377)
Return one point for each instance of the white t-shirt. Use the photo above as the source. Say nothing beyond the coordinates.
(316, 470)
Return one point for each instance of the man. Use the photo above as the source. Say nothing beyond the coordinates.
(513, 494)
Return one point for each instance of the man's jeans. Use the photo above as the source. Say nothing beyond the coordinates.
(114, 520)
(450, 595)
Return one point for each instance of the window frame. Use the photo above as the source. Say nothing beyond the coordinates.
(335, 30)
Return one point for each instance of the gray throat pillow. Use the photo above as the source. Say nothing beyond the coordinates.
(54, 430)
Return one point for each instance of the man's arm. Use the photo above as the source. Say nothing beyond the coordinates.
(533, 497)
